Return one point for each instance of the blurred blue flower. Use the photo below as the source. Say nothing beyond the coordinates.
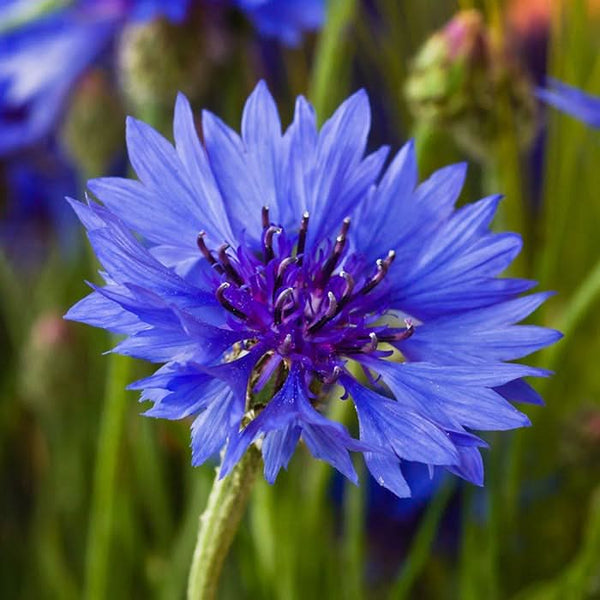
(32, 216)
(285, 19)
(572, 101)
(291, 261)
(42, 57)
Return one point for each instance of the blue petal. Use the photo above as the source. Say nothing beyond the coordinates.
(520, 391)
(572, 101)
(480, 335)
(38, 91)
(470, 467)
(277, 450)
(289, 409)
(406, 433)
(213, 426)
(456, 396)
(285, 19)
(129, 262)
(340, 148)
(188, 391)
(98, 311)
(238, 184)
(195, 160)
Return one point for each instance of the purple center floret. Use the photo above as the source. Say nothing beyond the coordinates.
(310, 307)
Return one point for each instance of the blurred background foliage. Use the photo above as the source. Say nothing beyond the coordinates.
(98, 502)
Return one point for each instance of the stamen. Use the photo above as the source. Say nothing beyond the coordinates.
(347, 293)
(372, 345)
(283, 265)
(335, 374)
(286, 345)
(228, 267)
(280, 303)
(400, 335)
(382, 269)
(338, 248)
(269, 233)
(302, 237)
(207, 253)
(265, 217)
(329, 313)
(345, 226)
(220, 294)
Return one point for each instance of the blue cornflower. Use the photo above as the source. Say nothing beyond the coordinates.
(32, 215)
(572, 101)
(266, 270)
(41, 60)
(284, 19)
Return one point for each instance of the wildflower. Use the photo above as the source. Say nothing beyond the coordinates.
(32, 218)
(284, 19)
(43, 57)
(572, 101)
(275, 266)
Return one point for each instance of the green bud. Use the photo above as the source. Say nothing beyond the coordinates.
(156, 60)
(48, 357)
(465, 80)
(92, 132)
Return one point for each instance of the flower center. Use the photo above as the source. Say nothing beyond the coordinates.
(318, 306)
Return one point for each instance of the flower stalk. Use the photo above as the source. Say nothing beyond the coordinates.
(218, 525)
(105, 476)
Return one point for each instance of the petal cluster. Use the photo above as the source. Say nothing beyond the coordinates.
(274, 271)
(41, 60)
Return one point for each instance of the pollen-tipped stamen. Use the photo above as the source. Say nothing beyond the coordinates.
(371, 346)
(334, 376)
(398, 336)
(332, 311)
(336, 253)
(268, 242)
(226, 304)
(265, 217)
(383, 266)
(302, 237)
(287, 345)
(207, 253)
(348, 289)
(280, 303)
(281, 269)
(227, 266)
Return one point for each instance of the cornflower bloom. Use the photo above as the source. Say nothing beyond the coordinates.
(268, 270)
(284, 19)
(44, 51)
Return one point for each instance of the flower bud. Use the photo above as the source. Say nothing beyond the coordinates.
(92, 132)
(466, 80)
(156, 60)
(49, 356)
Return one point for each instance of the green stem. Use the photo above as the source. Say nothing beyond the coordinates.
(174, 581)
(218, 525)
(331, 68)
(354, 544)
(101, 514)
(583, 301)
(420, 549)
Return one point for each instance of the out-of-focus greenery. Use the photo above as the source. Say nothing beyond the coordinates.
(97, 501)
